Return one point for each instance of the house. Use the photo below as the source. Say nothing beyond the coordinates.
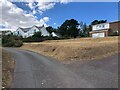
(105, 29)
(5, 32)
(54, 34)
(27, 32)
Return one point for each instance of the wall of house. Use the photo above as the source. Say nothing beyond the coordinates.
(114, 26)
(100, 26)
(103, 31)
(21, 33)
(54, 34)
(32, 31)
(44, 32)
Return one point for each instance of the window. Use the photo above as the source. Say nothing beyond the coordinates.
(34, 30)
(99, 26)
(103, 26)
(18, 32)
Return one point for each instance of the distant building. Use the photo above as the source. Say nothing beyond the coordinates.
(54, 34)
(105, 29)
(5, 32)
(27, 32)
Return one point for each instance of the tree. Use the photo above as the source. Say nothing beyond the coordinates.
(94, 22)
(85, 30)
(98, 22)
(102, 21)
(50, 29)
(37, 34)
(69, 28)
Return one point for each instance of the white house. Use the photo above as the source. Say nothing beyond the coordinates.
(55, 34)
(105, 29)
(5, 31)
(100, 30)
(27, 32)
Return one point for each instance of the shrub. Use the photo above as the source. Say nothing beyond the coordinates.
(50, 38)
(8, 44)
(18, 43)
(32, 39)
(11, 41)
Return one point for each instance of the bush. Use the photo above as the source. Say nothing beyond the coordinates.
(11, 41)
(40, 39)
(51, 38)
(32, 39)
(18, 43)
(9, 44)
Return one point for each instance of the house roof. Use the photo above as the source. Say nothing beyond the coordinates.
(115, 22)
(27, 29)
(39, 27)
(56, 33)
(107, 22)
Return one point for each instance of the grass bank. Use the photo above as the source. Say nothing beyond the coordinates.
(76, 49)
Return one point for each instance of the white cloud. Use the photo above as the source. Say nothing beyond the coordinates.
(41, 6)
(65, 1)
(14, 17)
(55, 23)
(30, 4)
(46, 19)
(45, 6)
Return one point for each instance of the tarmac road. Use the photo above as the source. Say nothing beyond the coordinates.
(37, 71)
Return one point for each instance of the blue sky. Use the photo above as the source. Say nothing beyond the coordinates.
(54, 14)
(86, 12)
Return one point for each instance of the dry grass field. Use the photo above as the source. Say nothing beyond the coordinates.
(8, 65)
(76, 49)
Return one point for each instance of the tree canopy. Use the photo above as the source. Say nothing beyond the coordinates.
(98, 22)
(69, 28)
(50, 29)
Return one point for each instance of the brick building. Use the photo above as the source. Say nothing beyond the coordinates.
(105, 29)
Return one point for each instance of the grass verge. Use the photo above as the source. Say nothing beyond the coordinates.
(76, 49)
(8, 65)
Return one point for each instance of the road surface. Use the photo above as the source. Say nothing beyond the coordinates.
(37, 71)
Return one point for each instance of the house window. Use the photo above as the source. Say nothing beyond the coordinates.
(103, 26)
(34, 30)
(18, 32)
(99, 26)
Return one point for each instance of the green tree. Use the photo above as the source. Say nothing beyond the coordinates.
(50, 29)
(69, 28)
(37, 34)
(98, 22)
(85, 30)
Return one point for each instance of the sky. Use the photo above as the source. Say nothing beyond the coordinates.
(27, 14)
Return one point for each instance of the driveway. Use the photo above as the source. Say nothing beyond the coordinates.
(37, 71)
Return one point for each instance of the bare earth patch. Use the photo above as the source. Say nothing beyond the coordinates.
(76, 49)
(8, 65)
